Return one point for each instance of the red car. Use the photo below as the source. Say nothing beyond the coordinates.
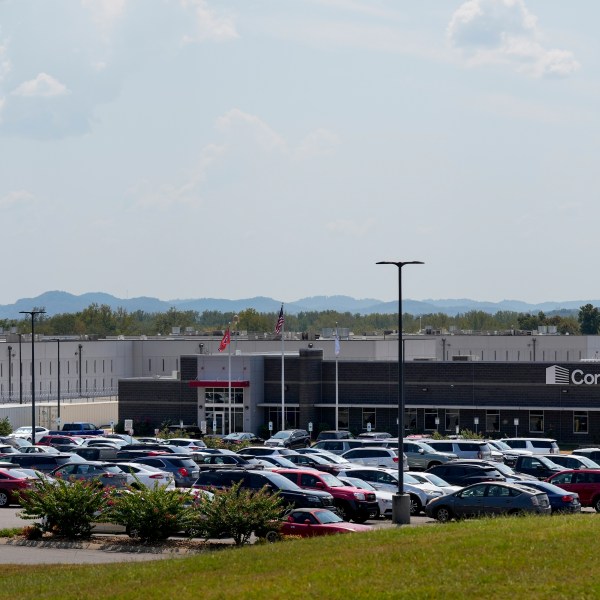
(586, 482)
(310, 522)
(10, 483)
(60, 440)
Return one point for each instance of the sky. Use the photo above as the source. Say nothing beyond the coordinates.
(238, 148)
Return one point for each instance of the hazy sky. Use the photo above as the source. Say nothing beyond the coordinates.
(240, 148)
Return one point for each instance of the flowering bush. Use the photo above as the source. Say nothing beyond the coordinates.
(150, 514)
(235, 513)
(66, 508)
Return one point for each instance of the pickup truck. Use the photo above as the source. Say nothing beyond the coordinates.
(538, 466)
(352, 503)
(78, 428)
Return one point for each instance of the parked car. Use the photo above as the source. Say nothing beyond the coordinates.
(146, 475)
(97, 452)
(38, 450)
(491, 499)
(537, 465)
(106, 474)
(242, 437)
(314, 461)
(463, 448)
(442, 484)
(273, 461)
(593, 453)
(290, 438)
(25, 432)
(421, 455)
(466, 474)
(332, 434)
(260, 451)
(374, 435)
(186, 443)
(509, 454)
(374, 456)
(184, 469)
(60, 440)
(533, 445)
(11, 483)
(8, 449)
(507, 472)
(387, 480)
(220, 459)
(561, 501)
(353, 504)
(41, 462)
(383, 497)
(572, 461)
(254, 479)
(309, 522)
(337, 446)
(585, 482)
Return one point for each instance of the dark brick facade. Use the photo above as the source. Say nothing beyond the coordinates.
(472, 388)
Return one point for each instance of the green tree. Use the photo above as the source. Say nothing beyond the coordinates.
(589, 320)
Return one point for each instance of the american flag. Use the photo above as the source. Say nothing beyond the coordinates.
(280, 321)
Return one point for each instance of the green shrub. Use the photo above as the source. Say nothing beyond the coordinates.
(67, 509)
(5, 426)
(150, 514)
(235, 513)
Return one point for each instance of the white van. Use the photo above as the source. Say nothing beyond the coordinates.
(533, 445)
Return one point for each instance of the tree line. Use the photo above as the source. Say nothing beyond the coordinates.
(103, 321)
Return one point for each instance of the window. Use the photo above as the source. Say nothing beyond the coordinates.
(368, 416)
(492, 420)
(536, 420)
(410, 419)
(452, 417)
(343, 418)
(430, 417)
(580, 422)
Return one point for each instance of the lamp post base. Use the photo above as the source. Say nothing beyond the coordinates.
(401, 509)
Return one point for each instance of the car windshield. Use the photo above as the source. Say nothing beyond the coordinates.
(410, 479)
(504, 469)
(283, 483)
(427, 447)
(281, 435)
(326, 516)
(500, 445)
(359, 483)
(437, 480)
(331, 480)
(332, 458)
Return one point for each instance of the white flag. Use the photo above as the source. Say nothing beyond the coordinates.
(337, 344)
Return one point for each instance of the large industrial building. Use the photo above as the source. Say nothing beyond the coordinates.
(543, 384)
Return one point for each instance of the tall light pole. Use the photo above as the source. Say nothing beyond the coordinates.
(10, 355)
(20, 371)
(400, 500)
(32, 314)
(80, 346)
(57, 340)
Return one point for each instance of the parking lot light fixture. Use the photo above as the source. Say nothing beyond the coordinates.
(401, 501)
(32, 314)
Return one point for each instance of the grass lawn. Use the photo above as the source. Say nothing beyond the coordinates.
(529, 557)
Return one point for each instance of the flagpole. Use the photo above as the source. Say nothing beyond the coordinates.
(337, 396)
(229, 361)
(282, 376)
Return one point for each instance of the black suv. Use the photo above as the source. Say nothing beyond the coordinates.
(254, 479)
(466, 474)
(290, 438)
(41, 461)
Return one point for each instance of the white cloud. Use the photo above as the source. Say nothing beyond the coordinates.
(250, 126)
(505, 32)
(317, 143)
(5, 65)
(15, 198)
(105, 12)
(209, 26)
(43, 85)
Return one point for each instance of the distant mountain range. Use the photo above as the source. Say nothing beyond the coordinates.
(63, 302)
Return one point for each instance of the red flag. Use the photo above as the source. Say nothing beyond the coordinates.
(225, 341)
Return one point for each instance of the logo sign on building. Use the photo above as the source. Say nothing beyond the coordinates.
(556, 375)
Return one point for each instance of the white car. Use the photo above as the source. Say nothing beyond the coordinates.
(186, 444)
(375, 456)
(146, 475)
(384, 498)
(442, 484)
(25, 433)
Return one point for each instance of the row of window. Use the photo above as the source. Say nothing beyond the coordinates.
(451, 421)
(93, 367)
